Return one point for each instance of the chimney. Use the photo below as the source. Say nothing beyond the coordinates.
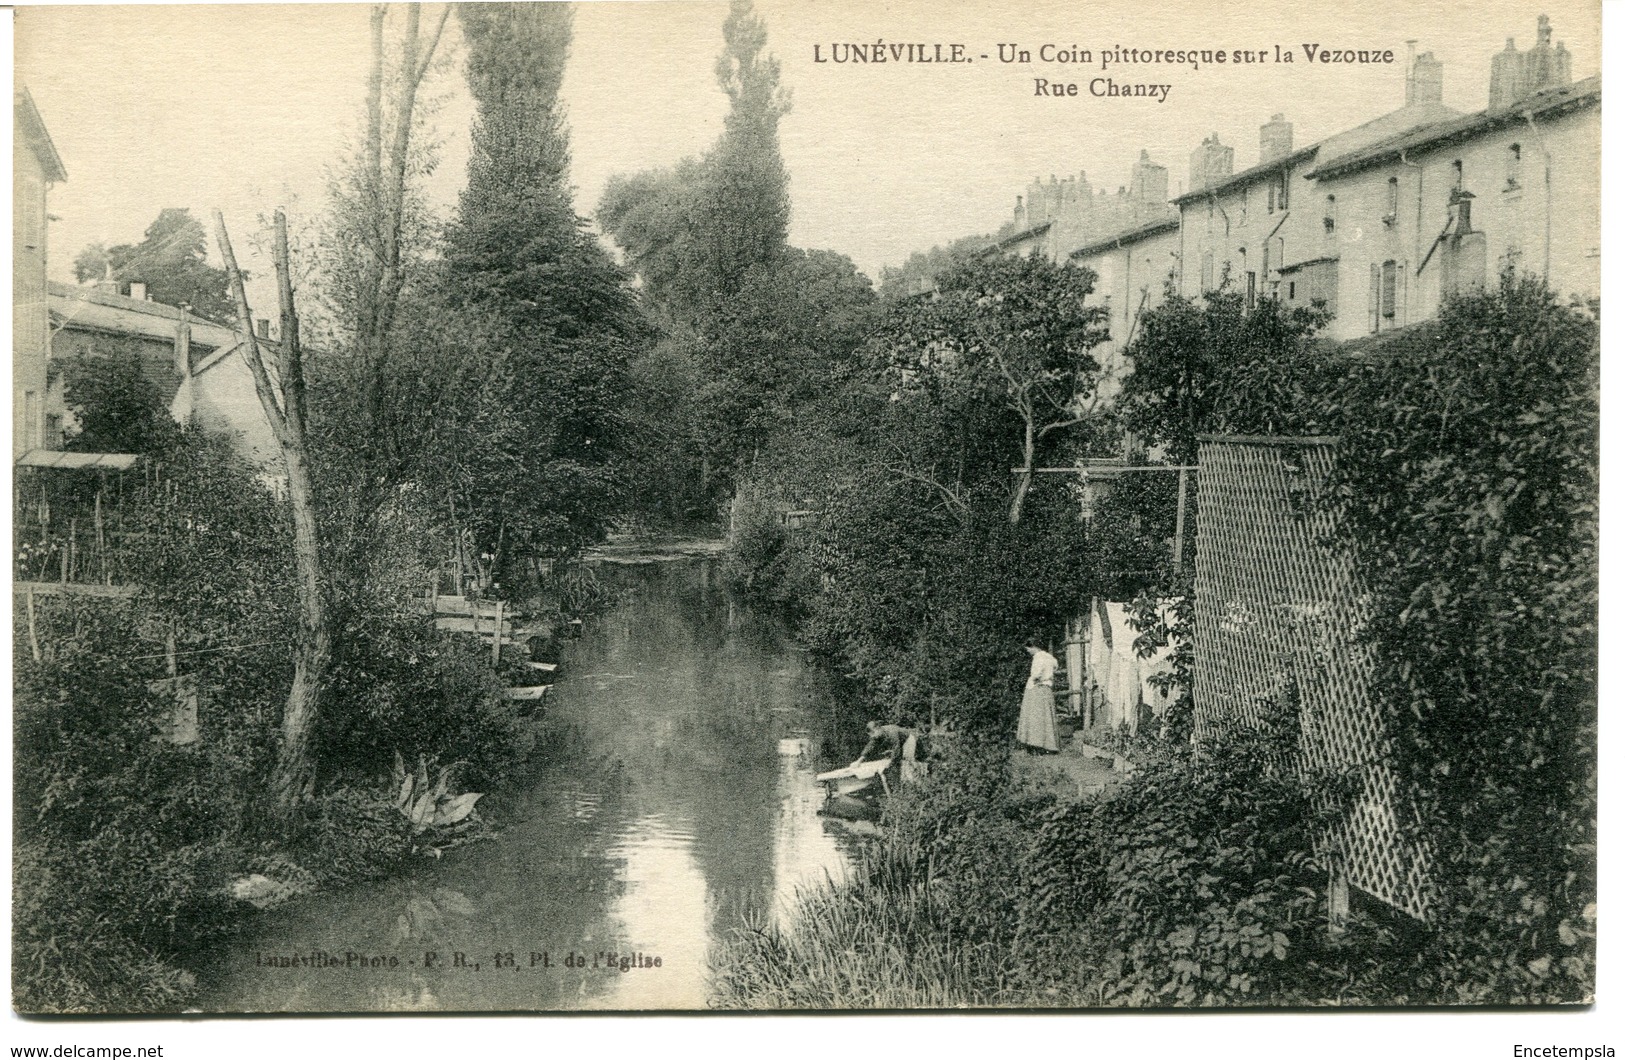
(262, 327)
(1426, 82)
(1211, 162)
(1274, 139)
(1515, 74)
(138, 291)
(1148, 182)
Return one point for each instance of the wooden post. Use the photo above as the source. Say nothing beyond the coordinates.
(496, 637)
(1337, 897)
(1074, 667)
(1179, 527)
(101, 540)
(33, 637)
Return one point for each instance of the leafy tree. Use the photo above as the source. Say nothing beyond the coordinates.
(380, 233)
(709, 240)
(919, 273)
(1014, 331)
(171, 260)
(117, 405)
(562, 319)
(1209, 363)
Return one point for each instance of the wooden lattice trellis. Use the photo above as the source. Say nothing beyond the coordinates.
(1280, 606)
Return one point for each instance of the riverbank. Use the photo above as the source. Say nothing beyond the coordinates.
(637, 551)
(657, 810)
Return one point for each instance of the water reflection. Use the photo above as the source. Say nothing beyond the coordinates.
(673, 810)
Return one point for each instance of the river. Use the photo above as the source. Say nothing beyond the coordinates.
(659, 809)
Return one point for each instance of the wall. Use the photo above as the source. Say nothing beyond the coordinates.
(30, 321)
(219, 397)
(1129, 280)
(1246, 229)
(1511, 217)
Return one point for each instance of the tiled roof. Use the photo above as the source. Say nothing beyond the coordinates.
(1247, 176)
(1564, 97)
(1138, 232)
(1010, 241)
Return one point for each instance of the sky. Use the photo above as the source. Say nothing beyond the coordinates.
(246, 107)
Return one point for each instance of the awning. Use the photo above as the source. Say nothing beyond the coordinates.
(75, 461)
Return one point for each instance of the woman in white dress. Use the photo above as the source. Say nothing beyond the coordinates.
(1036, 729)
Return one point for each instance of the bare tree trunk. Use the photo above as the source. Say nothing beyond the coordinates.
(1024, 480)
(294, 778)
(384, 178)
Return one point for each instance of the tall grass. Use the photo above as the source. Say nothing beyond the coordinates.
(883, 938)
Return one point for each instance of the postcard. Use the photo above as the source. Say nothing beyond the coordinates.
(681, 507)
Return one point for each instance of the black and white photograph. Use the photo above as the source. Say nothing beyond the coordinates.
(807, 507)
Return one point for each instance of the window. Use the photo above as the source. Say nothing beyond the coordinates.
(1330, 219)
(1387, 300)
(1207, 270)
(1292, 290)
(31, 418)
(1456, 176)
(1514, 166)
(1392, 213)
(1252, 289)
(1277, 192)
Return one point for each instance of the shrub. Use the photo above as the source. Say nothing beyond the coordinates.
(1467, 480)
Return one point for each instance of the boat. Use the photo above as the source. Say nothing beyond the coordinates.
(855, 778)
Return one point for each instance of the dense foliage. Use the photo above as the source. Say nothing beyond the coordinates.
(1466, 488)
(754, 329)
(1468, 482)
(171, 259)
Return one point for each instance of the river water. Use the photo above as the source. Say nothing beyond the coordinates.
(660, 809)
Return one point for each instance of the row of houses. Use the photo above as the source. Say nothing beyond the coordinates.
(1382, 223)
(191, 360)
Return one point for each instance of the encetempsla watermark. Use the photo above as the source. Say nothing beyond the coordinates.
(1584, 1052)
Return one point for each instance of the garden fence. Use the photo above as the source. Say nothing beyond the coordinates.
(1279, 613)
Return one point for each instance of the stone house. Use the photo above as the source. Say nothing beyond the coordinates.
(36, 398)
(196, 362)
(1132, 270)
(1444, 208)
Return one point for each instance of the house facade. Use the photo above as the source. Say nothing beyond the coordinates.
(197, 363)
(1446, 208)
(1132, 272)
(36, 399)
(1380, 223)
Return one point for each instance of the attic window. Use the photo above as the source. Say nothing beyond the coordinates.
(1514, 166)
(1456, 176)
(1330, 220)
(1392, 213)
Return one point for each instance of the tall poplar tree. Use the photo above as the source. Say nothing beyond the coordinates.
(559, 318)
